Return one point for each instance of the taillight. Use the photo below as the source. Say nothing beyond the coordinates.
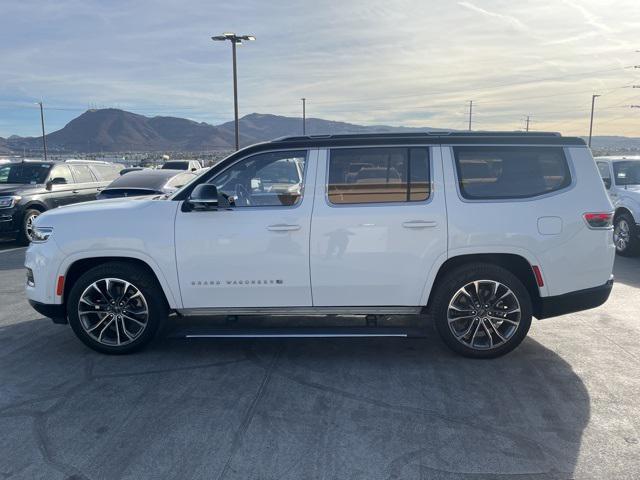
(599, 220)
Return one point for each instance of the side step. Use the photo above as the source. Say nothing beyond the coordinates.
(296, 332)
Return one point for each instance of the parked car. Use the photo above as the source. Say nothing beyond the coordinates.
(31, 187)
(146, 182)
(191, 165)
(481, 231)
(621, 177)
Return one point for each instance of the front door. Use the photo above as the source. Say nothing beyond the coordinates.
(255, 253)
(62, 193)
(379, 225)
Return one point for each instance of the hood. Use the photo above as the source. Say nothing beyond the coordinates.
(16, 188)
(96, 208)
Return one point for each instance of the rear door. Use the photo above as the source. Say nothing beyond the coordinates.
(86, 183)
(378, 227)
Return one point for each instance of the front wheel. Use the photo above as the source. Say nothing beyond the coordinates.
(116, 308)
(25, 235)
(482, 310)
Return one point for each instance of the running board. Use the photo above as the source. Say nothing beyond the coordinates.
(296, 332)
(288, 311)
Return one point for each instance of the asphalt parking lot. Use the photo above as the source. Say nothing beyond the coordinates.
(563, 405)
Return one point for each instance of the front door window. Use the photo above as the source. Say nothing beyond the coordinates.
(272, 179)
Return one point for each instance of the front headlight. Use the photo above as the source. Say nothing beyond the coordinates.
(9, 202)
(40, 234)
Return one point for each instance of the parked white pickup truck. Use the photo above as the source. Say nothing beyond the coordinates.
(481, 231)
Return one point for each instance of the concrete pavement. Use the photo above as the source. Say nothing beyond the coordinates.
(563, 405)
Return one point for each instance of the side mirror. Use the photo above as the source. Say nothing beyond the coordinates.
(204, 197)
(56, 181)
(607, 183)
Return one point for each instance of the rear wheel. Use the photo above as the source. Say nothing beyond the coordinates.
(25, 236)
(116, 308)
(482, 310)
(625, 236)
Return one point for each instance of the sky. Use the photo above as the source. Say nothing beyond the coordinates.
(394, 62)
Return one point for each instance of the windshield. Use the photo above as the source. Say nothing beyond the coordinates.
(24, 173)
(627, 173)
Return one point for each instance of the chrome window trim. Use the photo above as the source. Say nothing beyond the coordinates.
(428, 200)
(569, 187)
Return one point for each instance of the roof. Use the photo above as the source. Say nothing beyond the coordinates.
(149, 178)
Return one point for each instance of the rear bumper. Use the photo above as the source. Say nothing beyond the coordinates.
(56, 313)
(574, 301)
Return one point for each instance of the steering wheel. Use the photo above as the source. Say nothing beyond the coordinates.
(243, 197)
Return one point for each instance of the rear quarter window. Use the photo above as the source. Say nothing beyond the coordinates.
(486, 173)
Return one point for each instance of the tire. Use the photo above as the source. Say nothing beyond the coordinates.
(24, 235)
(625, 236)
(109, 319)
(486, 335)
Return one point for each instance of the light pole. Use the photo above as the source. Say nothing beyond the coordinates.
(593, 102)
(235, 40)
(304, 116)
(44, 138)
(470, 112)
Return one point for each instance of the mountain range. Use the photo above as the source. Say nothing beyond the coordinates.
(115, 130)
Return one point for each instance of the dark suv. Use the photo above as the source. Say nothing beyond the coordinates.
(31, 187)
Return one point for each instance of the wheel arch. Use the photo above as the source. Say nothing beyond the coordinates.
(518, 265)
(79, 266)
(35, 205)
(622, 210)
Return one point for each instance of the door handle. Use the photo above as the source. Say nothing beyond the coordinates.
(419, 224)
(283, 227)
(75, 191)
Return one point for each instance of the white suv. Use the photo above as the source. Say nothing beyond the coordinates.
(479, 231)
(621, 177)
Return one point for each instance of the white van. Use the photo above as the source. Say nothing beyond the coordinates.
(621, 177)
(479, 231)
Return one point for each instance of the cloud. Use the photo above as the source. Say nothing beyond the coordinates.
(509, 20)
(412, 62)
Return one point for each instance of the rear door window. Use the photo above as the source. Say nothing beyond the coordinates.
(106, 173)
(378, 175)
(510, 172)
(82, 174)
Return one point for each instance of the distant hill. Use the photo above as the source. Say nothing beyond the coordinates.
(114, 130)
(4, 148)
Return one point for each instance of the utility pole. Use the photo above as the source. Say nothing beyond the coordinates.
(470, 112)
(44, 138)
(527, 126)
(593, 102)
(304, 116)
(235, 40)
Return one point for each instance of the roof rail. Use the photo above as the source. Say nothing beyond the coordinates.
(435, 133)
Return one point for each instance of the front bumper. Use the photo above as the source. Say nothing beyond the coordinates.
(56, 313)
(573, 301)
(8, 222)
